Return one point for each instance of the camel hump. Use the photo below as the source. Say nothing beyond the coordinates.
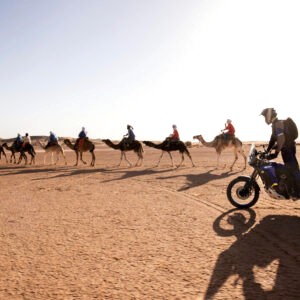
(237, 141)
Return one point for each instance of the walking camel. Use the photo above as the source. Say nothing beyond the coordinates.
(54, 148)
(2, 152)
(85, 145)
(167, 146)
(22, 149)
(135, 146)
(219, 143)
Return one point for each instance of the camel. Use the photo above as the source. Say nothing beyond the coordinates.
(167, 146)
(219, 143)
(14, 149)
(136, 146)
(2, 152)
(54, 148)
(86, 145)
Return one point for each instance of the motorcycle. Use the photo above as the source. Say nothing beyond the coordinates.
(243, 191)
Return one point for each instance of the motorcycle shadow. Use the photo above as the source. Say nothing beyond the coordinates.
(275, 239)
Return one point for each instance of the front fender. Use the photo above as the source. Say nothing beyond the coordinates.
(249, 178)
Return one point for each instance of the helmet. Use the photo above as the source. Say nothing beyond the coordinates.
(51, 132)
(269, 114)
(83, 129)
(229, 121)
(174, 126)
(129, 126)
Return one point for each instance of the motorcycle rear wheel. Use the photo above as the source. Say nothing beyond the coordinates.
(241, 193)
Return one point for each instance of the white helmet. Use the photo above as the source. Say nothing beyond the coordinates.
(229, 121)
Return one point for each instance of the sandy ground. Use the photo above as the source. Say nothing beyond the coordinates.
(109, 232)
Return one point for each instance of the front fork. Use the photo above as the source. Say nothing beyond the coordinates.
(252, 180)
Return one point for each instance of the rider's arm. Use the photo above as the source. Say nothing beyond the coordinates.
(271, 143)
(279, 132)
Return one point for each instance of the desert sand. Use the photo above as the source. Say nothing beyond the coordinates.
(120, 232)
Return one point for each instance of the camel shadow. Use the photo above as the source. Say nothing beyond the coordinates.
(195, 180)
(75, 172)
(24, 170)
(275, 241)
(65, 171)
(135, 173)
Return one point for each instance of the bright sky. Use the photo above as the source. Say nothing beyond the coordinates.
(104, 64)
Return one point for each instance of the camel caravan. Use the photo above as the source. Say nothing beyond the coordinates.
(83, 144)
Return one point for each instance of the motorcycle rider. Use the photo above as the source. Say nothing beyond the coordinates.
(284, 145)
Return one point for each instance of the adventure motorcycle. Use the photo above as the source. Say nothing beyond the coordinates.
(243, 191)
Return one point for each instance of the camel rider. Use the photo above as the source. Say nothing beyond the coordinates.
(53, 140)
(26, 140)
(129, 137)
(228, 131)
(81, 137)
(173, 137)
(18, 141)
(281, 142)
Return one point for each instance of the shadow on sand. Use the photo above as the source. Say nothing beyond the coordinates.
(135, 173)
(194, 180)
(276, 239)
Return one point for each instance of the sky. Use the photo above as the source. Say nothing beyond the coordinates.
(103, 64)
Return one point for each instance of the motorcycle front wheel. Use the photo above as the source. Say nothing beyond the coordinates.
(241, 193)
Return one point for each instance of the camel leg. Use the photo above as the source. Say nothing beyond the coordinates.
(244, 156)
(137, 162)
(121, 157)
(124, 155)
(81, 157)
(57, 157)
(64, 156)
(93, 159)
(190, 157)
(235, 159)
(162, 154)
(182, 159)
(32, 161)
(5, 157)
(129, 163)
(77, 154)
(20, 159)
(22, 155)
(172, 159)
(140, 159)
